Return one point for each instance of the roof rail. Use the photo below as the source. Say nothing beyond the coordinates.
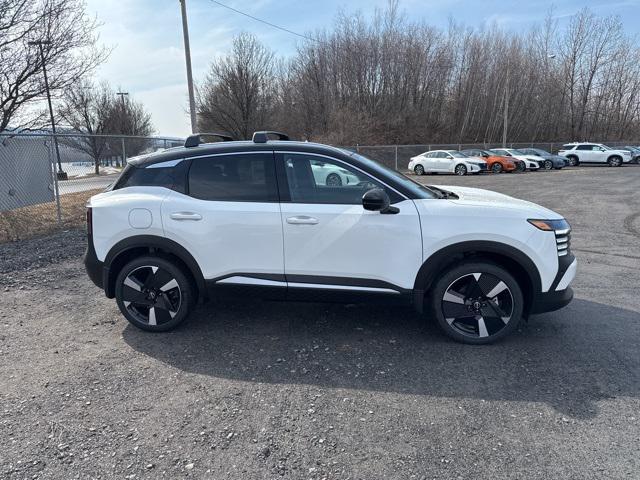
(195, 140)
(263, 136)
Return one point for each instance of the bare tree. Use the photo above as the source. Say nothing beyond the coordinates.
(87, 109)
(237, 95)
(96, 110)
(68, 55)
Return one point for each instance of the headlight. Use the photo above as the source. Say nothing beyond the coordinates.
(550, 225)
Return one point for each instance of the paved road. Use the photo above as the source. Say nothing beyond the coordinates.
(267, 390)
(86, 183)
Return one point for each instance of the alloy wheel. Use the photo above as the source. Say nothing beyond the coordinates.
(548, 164)
(419, 170)
(334, 180)
(496, 168)
(151, 295)
(478, 305)
(461, 170)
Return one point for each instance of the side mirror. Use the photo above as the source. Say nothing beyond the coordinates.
(377, 199)
(485, 155)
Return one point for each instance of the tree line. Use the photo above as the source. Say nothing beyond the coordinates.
(391, 80)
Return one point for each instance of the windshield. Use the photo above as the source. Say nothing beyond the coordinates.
(408, 183)
(540, 151)
(605, 147)
(456, 154)
(513, 151)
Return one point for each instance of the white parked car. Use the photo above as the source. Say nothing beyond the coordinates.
(446, 161)
(530, 161)
(252, 219)
(578, 153)
(331, 175)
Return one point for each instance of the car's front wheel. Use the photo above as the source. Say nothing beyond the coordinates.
(548, 165)
(477, 302)
(460, 170)
(496, 167)
(154, 293)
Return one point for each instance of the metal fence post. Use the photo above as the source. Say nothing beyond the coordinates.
(124, 154)
(396, 157)
(56, 188)
(357, 148)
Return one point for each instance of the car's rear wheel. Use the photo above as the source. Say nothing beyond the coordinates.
(154, 293)
(477, 302)
(496, 167)
(573, 160)
(460, 170)
(333, 180)
(614, 161)
(548, 165)
(418, 170)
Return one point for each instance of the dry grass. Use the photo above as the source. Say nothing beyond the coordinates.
(41, 219)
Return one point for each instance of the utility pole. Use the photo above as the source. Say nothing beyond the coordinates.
(122, 95)
(61, 175)
(187, 54)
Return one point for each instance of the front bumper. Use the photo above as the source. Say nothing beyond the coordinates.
(552, 300)
(560, 293)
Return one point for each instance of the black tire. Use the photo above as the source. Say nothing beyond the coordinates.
(614, 161)
(418, 170)
(460, 170)
(548, 165)
(573, 160)
(472, 317)
(154, 294)
(333, 180)
(496, 167)
(520, 167)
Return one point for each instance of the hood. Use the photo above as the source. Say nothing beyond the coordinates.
(486, 198)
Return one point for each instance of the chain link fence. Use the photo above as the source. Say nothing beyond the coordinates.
(45, 181)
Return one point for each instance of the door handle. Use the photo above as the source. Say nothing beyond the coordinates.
(302, 220)
(185, 216)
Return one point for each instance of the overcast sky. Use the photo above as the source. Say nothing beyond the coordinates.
(148, 56)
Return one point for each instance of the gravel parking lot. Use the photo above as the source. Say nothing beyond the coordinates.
(270, 390)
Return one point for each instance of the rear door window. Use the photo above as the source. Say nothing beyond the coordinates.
(247, 177)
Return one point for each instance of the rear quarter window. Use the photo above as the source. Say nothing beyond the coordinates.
(171, 177)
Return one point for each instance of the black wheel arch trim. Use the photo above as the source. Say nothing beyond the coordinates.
(151, 242)
(440, 259)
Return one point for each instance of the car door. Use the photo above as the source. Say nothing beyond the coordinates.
(448, 163)
(331, 242)
(429, 162)
(586, 153)
(229, 218)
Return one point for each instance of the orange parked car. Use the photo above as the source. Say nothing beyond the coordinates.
(496, 163)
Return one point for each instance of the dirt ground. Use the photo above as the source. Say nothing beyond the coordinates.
(268, 390)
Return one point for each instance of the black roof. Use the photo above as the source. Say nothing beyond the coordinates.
(232, 147)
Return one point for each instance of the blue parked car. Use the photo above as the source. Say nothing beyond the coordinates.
(547, 160)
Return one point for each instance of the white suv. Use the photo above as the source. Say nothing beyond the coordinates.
(578, 153)
(258, 219)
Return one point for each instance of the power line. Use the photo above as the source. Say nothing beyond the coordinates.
(265, 22)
